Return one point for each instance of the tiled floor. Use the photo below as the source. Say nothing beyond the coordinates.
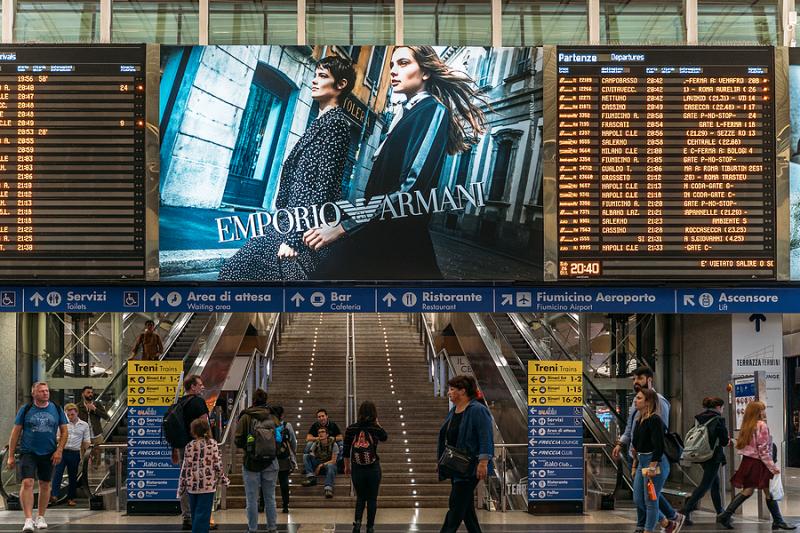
(404, 520)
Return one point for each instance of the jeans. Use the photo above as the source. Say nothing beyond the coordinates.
(652, 513)
(186, 508)
(461, 507)
(710, 482)
(70, 460)
(311, 464)
(283, 480)
(200, 506)
(367, 482)
(265, 480)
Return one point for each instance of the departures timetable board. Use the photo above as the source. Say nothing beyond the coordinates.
(665, 165)
(72, 165)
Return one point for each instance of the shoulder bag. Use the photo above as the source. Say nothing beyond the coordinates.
(454, 460)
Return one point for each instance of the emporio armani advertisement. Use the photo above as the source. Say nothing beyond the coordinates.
(286, 163)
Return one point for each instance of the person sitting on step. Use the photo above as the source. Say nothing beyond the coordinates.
(321, 459)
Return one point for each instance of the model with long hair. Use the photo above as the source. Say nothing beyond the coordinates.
(312, 175)
(440, 116)
(757, 468)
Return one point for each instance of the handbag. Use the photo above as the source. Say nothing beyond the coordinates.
(455, 460)
(776, 488)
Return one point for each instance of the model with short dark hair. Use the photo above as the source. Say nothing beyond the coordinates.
(312, 175)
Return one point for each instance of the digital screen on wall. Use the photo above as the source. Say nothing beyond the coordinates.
(72, 166)
(794, 163)
(350, 163)
(665, 164)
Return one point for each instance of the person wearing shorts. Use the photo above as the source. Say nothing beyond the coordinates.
(41, 430)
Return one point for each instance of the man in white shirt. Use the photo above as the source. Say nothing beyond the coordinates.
(78, 441)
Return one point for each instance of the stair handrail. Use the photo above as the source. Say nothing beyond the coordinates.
(265, 359)
(426, 338)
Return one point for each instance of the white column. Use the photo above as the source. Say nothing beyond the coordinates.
(594, 21)
(399, 22)
(690, 13)
(789, 21)
(105, 21)
(497, 23)
(301, 22)
(9, 10)
(202, 36)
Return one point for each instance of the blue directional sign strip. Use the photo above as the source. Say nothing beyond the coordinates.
(151, 474)
(555, 453)
(222, 298)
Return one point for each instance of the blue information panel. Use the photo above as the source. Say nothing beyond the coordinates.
(457, 300)
(84, 299)
(555, 462)
(210, 299)
(584, 300)
(151, 474)
(327, 300)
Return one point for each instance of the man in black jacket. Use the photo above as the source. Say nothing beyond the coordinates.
(257, 473)
(93, 413)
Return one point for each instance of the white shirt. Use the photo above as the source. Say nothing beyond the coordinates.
(79, 433)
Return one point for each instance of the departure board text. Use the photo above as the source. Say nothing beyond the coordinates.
(72, 162)
(666, 163)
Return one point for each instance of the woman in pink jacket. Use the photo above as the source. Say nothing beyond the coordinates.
(757, 467)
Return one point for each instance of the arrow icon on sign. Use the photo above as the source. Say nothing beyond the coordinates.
(297, 299)
(37, 298)
(389, 299)
(508, 299)
(157, 299)
(688, 299)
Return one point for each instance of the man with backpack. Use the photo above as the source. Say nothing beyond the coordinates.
(44, 429)
(643, 379)
(177, 429)
(256, 435)
(320, 459)
(705, 445)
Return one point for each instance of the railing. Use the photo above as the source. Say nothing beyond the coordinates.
(257, 374)
(351, 405)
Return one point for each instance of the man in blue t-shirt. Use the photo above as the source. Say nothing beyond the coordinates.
(44, 428)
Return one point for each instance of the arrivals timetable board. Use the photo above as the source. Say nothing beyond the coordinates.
(665, 165)
(72, 165)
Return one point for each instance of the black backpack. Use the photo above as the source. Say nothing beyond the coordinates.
(173, 425)
(282, 437)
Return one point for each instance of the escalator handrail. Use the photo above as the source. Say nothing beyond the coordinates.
(563, 350)
(237, 404)
(122, 373)
(121, 409)
(175, 332)
(589, 418)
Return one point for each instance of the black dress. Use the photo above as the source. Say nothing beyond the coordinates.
(410, 160)
(311, 175)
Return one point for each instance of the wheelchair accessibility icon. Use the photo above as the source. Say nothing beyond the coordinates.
(8, 299)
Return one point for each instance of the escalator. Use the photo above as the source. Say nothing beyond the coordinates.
(205, 342)
(521, 338)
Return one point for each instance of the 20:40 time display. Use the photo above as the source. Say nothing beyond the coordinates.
(579, 268)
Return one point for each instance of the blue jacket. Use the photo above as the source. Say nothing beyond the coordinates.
(475, 435)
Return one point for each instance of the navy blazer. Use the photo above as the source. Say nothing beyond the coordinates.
(475, 435)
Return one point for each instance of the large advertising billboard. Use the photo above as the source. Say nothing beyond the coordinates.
(350, 163)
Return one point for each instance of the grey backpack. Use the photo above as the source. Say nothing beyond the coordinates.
(697, 444)
(261, 443)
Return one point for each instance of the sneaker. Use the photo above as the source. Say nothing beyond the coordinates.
(680, 520)
(328, 492)
(187, 524)
(41, 523)
(285, 510)
(638, 530)
(29, 525)
(309, 482)
(71, 503)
